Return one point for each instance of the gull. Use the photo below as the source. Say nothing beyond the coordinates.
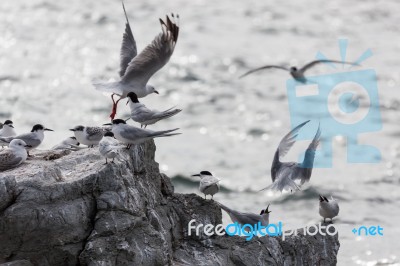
(284, 174)
(141, 114)
(108, 147)
(137, 69)
(70, 143)
(14, 155)
(7, 130)
(328, 208)
(33, 139)
(297, 73)
(246, 217)
(132, 135)
(209, 184)
(89, 136)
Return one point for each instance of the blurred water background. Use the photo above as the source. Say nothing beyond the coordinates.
(50, 51)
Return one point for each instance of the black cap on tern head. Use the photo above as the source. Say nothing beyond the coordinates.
(205, 173)
(266, 210)
(73, 138)
(109, 134)
(118, 121)
(40, 127)
(8, 122)
(133, 97)
(322, 198)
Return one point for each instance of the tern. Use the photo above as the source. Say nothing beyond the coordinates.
(328, 208)
(14, 155)
(209, 184)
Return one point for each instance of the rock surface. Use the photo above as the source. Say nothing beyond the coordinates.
(70, 209)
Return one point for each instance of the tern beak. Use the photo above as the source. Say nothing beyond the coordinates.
(156, 92)
(127, 102)
(108, 124)
(266, 210)
(11, 126)
(48, 129)
(72, 129)
(196, 175)
(127, 119)
(28, 146)
(321, 199)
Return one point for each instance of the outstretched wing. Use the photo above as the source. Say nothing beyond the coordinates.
(310, 152)
(155, 55)
(288, 140)
(261, 68)
(313, 63)
(128, 46)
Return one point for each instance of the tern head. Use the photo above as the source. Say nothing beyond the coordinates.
(293, 69)
(116, 122)
(322, 199)
(39, 127)
(151, 89)
(9, 123)
(109, 134)
(266, 211)
(18, 143)
(203, 173)
(133, 97)
(74, 141)
(78, 128)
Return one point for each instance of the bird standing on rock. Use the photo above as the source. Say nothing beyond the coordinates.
(141, 114)
(137, 69)
(328, 208)
(7, 131)
(14, 155)
(243, 218)
(89, 136)
(209, 184)
(109, 147)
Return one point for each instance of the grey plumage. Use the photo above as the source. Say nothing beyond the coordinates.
(284, 174)
(209, 184)
(328, 208)
(247, 218)
(33, 139)
(14, 155)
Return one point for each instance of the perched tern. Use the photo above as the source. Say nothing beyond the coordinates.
(137, 69)
(297, 73)
(328, 208)
(7, 130)
(33, 139)
(70, 143)
(108, 146)
(89, 136)
(132, 135)
(209, 184)
(284, 174)
(14, 155)
(141, 114)
(247, 218)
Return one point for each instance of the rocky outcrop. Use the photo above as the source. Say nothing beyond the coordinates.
(70, 209)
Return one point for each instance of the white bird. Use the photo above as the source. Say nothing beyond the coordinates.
(70, 143)
(328, 208)
(136, 70)
(33, 139)
(246, 217)
(141, 114)
(108, 147)
(284, 174)
(209, 184)
(132, 135)
(7, 130)
(14, 155)
(89, 136)
(297, 74)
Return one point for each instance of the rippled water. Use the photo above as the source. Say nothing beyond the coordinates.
(51, 51)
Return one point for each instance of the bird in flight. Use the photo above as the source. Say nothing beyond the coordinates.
(297, 73)
(137, 69)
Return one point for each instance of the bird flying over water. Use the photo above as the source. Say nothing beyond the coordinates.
(284, 174)
(137, 69)
(296, 73)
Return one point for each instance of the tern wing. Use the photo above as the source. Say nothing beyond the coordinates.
(261, 68)
(313, 63)
(8, 160)
(209, 181)
(289, 139)
(155, 55)
(94, 133)
(128, 46)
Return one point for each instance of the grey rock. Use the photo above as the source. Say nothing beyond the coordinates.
(70, 209)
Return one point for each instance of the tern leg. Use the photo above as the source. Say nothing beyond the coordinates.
(114, 108)
(106, 162)
(324, 220)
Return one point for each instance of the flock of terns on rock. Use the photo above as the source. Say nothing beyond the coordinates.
(135, 72)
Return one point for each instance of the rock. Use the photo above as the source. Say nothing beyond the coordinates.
(70, 209)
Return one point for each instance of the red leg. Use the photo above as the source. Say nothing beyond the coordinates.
(114, 108)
